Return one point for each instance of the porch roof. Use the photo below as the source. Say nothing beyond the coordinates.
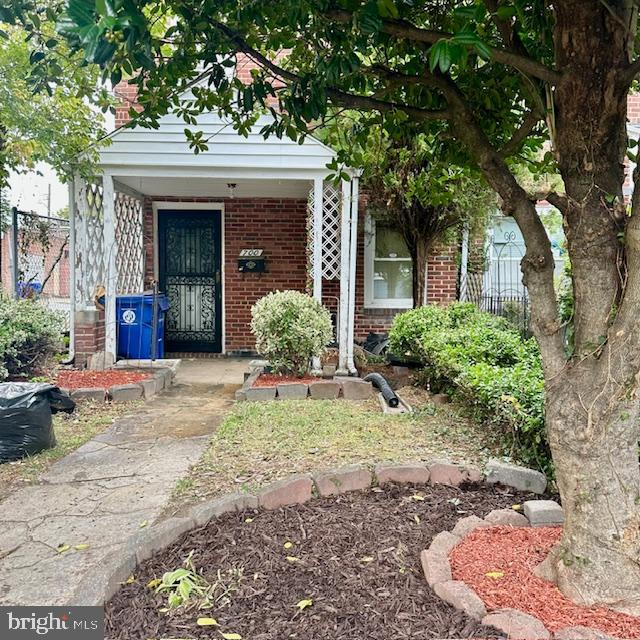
(144, 158)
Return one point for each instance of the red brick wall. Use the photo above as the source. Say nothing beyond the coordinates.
(633, 107)
(279, 227)
(89, 335)
(127, 95)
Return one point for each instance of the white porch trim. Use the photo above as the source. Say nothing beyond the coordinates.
(353, 248)
(110, 245)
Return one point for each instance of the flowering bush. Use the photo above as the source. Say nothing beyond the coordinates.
(29, 334)
(290, 328)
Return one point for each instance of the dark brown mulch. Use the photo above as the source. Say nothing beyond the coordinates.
(356, 557)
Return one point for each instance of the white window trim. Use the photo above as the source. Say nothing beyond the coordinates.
(369, 256)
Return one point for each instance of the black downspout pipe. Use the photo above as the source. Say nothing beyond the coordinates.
(382, 385)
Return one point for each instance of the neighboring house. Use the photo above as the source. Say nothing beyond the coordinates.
(43, 268)
(162, 214)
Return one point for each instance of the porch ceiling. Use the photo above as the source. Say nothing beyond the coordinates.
(158, 187)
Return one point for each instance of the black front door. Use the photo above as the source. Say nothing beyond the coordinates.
(190, 263)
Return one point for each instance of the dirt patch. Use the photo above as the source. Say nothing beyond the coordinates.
(354, 558)
(498, 565)
(272, 379)
(397, 377)
(98, 379)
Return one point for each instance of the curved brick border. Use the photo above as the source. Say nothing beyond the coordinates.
(160, 378)
(298, 489)
(516, 624)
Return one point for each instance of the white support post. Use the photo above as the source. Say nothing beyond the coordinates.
(73, 220)
(343, 354)
(318, 208)
(464, 263)
(354, 202)
(110, 269)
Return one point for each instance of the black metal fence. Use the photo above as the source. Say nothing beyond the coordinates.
(496, 286)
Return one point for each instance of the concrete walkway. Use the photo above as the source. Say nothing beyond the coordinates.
(104, 492)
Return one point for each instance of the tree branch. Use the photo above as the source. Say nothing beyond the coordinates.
(337, 96)
(558, 200)
(528, 125)
(408, 31)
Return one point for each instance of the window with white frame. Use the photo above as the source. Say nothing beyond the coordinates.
(388, 267)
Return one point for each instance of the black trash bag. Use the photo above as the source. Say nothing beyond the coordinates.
(25, 417)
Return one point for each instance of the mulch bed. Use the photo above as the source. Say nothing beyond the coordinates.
(509, 556)
(355, 556)
(98, 379)
(272, 379)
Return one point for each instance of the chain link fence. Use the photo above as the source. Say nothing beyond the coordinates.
(36, 261)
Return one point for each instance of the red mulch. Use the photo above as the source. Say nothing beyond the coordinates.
(516, 553)
(98, 379)
(272, 379)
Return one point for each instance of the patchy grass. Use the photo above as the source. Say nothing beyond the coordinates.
(261, 442)
(72, 431)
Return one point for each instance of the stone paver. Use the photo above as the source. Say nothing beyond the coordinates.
(356, 389)
(349, 478)
(435, 566)
(105, 497)
(466, 525)
(543, 513)
(402, 473)
(517, 477)
(125, 392)
(324, 390)
(517, 625)
(260, 394)
(443, 472)
(292, 490)
(293, 390)
(463, 598)
(506, 518)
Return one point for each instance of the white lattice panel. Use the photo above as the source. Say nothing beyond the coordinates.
(89, 242)
(331, 216)
(130, 242)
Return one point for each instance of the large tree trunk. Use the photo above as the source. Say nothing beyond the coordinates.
(592, 396)
(593, 412)
(593, 432)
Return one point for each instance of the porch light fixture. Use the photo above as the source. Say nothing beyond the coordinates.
(232, 189)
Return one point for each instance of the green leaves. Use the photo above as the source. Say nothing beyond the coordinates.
(440, 56)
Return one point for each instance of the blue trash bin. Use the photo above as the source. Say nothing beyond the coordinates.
(134, 318)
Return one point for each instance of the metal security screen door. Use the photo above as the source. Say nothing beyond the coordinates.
(190, 263)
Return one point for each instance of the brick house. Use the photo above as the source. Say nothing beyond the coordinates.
(163, 215)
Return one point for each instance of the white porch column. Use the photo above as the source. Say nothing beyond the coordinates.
(345, 240)
(354, 202)
(73, 220)
(110, 269)
(318, 208)
(464, 264)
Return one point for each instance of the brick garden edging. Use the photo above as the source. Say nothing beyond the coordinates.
(348, 388)
(160, 378)
(300, 488)
(518, 625)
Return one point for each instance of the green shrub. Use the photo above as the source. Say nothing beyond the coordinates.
(290, 328)
(482, 360)
(29, 335)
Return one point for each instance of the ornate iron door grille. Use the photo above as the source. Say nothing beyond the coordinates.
(190, 274)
